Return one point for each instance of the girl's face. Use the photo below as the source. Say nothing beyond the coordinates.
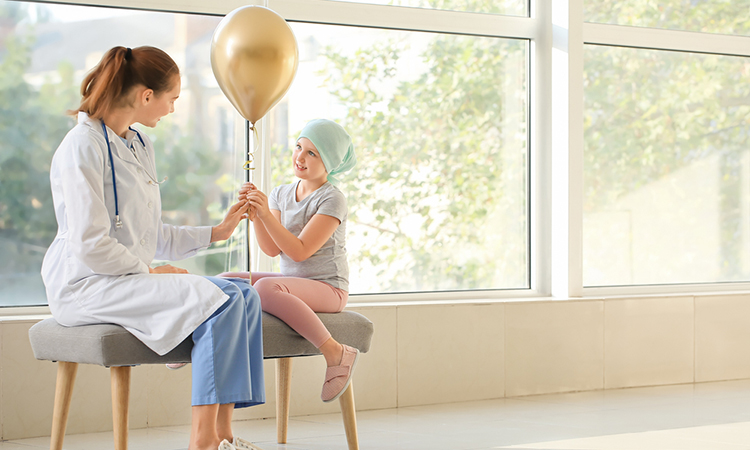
(307, 162)
(159, 105)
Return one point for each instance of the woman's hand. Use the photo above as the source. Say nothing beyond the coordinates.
(236, 213)
(167, 268)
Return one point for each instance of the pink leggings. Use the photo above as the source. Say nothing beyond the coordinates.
(296, 300)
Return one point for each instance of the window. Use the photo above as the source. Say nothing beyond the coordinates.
(43, 58)
(438, 199)
(459, 118)
(667, 167)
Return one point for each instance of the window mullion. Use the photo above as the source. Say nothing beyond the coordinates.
(567, 148)
(540, 144)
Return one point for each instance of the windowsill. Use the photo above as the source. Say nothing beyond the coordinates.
(22, 318)
(405, 301)
(36, 313)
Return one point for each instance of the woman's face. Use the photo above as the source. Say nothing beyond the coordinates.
(159, 105)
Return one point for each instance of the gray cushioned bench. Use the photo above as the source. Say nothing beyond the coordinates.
(112, 346)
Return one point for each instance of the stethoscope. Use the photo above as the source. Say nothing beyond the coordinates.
(152, 181)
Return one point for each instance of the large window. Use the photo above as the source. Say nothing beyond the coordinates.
(506, 148)
(666, 159)
(43, 58)
(438, 199)
(667, 167)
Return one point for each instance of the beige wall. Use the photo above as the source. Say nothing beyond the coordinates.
(431, 353)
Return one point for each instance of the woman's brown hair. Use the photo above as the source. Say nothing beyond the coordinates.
(120, 69)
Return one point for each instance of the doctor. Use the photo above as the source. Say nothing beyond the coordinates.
(108, 209)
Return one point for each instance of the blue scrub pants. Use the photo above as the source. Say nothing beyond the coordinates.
(227, 357)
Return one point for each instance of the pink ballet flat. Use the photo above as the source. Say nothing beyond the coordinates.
(339, 377)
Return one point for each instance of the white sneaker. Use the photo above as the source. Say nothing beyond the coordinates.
(175, 366)
(241, 444)
(225, 445)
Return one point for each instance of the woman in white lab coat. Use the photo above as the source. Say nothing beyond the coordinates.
(108, 209)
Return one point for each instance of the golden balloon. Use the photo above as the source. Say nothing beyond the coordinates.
(254, 58)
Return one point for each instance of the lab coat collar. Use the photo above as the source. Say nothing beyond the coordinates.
(118, 147)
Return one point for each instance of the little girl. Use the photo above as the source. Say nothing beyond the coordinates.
(305, 223)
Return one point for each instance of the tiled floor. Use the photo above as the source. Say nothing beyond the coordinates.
(710, 416)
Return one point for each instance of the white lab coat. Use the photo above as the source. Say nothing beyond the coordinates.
(95, 273)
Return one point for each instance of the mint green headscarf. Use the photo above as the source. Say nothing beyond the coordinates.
(334, 145)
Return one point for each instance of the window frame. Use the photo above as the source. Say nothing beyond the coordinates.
(667, 40)
(366, 15)
(557, 34)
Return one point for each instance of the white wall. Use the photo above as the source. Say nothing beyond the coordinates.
(430, 353)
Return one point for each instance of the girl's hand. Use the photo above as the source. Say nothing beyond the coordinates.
(167, 268)
(251, 213)
(224, 230)
(258, 203)
(244, 189)
(242, 196)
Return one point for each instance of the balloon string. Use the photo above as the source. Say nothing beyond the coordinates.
(257, 142)
(250, 163)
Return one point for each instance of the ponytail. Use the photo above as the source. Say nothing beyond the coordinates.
(121, 69)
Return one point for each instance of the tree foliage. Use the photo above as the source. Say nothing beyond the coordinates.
(432, 174)
(649, 113)
(708, 16)
(32, 123)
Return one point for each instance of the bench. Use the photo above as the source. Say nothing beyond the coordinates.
(114, 347)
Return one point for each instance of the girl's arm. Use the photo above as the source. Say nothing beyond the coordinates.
(265, 242)
(316, 232)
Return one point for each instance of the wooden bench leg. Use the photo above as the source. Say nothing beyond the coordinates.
(66, 377)
(283, 397)
(349, 414)
(120, 377)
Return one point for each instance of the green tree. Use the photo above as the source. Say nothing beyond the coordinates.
(435, 177)
(649, 113)
(709, 16)
(32, 123)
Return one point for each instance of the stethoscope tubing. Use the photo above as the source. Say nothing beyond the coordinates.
(118, 222)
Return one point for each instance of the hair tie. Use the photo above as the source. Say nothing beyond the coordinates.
(128, 54)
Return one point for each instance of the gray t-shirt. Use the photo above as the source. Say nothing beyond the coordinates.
(329, 263)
